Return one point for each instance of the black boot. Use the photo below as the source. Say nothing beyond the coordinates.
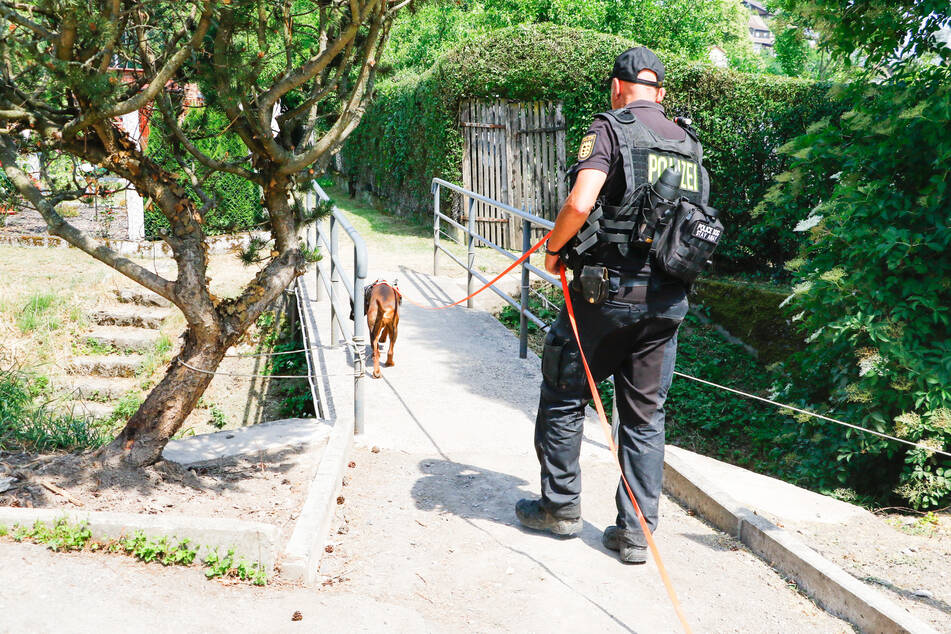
(566, 522)
(630, 545)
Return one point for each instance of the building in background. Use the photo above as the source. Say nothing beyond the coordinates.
(718, 57)
(760, 33)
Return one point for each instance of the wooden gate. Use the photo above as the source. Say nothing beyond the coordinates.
(513, 152)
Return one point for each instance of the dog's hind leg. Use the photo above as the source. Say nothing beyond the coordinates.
(392, 327)
(376, 330)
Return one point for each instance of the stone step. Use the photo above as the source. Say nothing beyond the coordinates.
(89, 410)
(136, 316)
(106, 365)
(141, 297)
(94, 388)
(124, 337)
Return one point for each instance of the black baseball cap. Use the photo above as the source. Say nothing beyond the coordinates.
(632, 61)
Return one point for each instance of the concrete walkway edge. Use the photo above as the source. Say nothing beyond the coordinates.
(301, 556)
(305, 547)
(829, 585)
(255, 541)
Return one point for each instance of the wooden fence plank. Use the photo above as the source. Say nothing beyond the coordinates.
(514, 153)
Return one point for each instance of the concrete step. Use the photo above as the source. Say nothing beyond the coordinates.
(106, 365)
(136, 316)
(124, 337)
(141, 297)
(90, 410)
(94, 388)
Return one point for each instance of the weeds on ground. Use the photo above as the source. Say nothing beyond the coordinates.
(155, 357)
(64, 536)
(927, 525)
(226, 566)
(277, 335)
(93, 347)
(26, 422)
(218, 419)
(125, 407)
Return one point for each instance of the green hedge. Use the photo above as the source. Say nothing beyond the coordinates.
(410, 133)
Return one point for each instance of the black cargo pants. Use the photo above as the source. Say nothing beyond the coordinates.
(633, 335)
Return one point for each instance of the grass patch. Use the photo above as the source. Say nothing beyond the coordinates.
(64, 536)
(154, 359)
(125, 407)
(39, 313)
(27, 422)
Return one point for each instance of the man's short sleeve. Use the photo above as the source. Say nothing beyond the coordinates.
(597, 148)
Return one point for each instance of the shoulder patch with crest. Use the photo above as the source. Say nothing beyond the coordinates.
(587, 146)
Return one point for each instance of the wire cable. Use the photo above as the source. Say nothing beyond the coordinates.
(275, 354)
(815, 415)
(262, 376)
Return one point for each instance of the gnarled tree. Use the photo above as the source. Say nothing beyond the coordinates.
(292, 77)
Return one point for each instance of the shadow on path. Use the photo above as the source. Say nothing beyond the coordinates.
(473, 493)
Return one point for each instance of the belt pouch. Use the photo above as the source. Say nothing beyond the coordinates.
(593, 284)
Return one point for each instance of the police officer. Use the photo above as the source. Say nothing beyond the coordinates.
(631, 331)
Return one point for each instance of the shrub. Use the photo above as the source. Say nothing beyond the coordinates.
(237, 201)
(26, 424)
(410, 134)
(874, 291)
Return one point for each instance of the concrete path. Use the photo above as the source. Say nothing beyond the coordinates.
(428, 518)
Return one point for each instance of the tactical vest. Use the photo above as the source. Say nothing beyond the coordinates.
(644, 155)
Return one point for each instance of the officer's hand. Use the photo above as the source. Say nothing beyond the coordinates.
(553, 264)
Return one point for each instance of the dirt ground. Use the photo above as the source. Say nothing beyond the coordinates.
(904, 557)
(268, 487)
(107, 219)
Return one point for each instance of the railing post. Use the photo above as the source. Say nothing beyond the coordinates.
(336, 332)
(320, 293)
(471, 226)
(359, 340)
(523, 303)
(435, 228)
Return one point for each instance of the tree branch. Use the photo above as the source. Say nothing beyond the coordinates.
(168, 117)
(59, 227)
(156, 85)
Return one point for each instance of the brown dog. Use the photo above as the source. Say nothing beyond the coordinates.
(381, 302)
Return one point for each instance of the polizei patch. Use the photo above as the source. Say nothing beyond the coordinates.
(708, 233)
(587, 146)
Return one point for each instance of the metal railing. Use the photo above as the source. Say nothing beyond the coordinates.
(473, 239)
(345, 291)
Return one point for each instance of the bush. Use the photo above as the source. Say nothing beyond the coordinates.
(874, 292)
(237, 201)
(410, 134)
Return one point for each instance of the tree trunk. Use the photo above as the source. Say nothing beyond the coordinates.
(168, 404)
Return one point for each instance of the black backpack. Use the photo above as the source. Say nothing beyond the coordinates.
(688, 240)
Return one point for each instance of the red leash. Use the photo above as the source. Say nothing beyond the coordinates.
(517, 262)
(610, 438)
